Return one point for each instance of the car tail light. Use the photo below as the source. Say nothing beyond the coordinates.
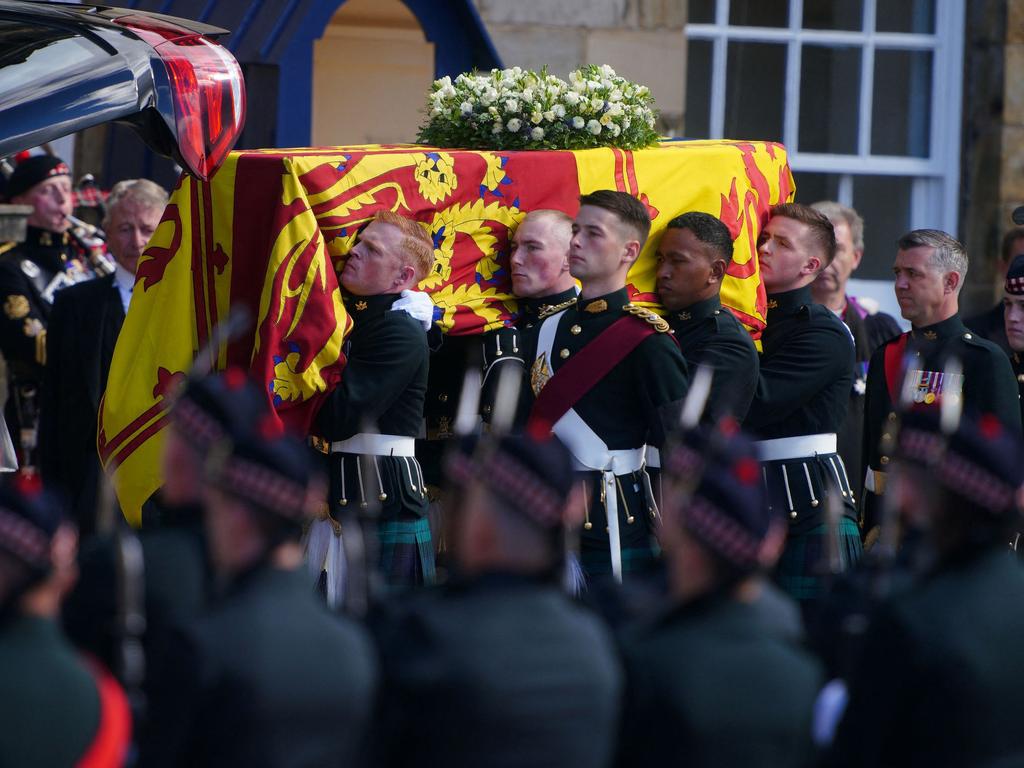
(207, 90)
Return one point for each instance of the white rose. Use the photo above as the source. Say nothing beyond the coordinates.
(537, 133)
(528, 94)
(559, 111)
(466, 107)
(578, 122)
(593, 85)
(594, 127)
(514, 124)
(606, 84)
(615, 95)
(497, 128)
(606, 118)
(572, 98)
(444, 82)
(434, 111)
(596, 103)
(550, 115)
(536, 117)
(607, 71)
(512, 105)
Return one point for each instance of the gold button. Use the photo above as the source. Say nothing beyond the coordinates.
(587, 526)
(443, 397)
(563, 354)
(384, 496)
(884, 460)
(887, 438)
(575, 330)
(892, 417)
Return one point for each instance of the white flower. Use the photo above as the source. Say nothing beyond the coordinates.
(615, 95)
(578, 122)
(528, 94)
(607, 71)
(490, 96)
(559, 111)
(593, 85)
(594, 127)
(536, 117)
(615, 129)
(572, 98)
(596, 103)
(606, 118)
(514, 124)
(434, 111)
(512, 105)
(466, 107)
(537, 133)
(444, 82)
(447, 92)
(497, 128)
(550, 115)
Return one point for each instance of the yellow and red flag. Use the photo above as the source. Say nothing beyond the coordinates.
(263, 232)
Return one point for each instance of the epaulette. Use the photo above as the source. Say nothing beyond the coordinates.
(550, 309)
(648, 316)
(5, 247)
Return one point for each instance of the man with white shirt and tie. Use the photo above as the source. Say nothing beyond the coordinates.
(83, 329)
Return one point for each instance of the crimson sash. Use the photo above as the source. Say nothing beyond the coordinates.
(894, 367)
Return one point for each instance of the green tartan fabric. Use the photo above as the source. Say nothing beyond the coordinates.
(406, 552)
(597, 562)
(801, 568)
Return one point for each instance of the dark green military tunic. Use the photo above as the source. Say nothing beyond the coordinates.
(803, 388)
(501, 671)
(989, 386)
(267, 678)
(383, 389)
(1017, 362)
(49, 703)
(710, 335)
(716, 682)
(30, 273)
(941, 672)
(627, 410)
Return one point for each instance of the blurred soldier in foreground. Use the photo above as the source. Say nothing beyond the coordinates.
(930, 268)
(694, 253)
(268, 677)
(499, 668)
(603, 372)
(83, 329)
(369, 425)
(1013, 318)
(30, 275)
(57, 709)
(802, 394)
(869, 327)
(714, 681)
(941, 672)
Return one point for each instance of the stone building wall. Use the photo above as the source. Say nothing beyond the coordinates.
(643, 40)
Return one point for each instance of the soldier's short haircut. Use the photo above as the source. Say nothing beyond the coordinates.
(561, 217)
(624, 207)
(708, 229)
(949, 254)
(838, 213)
(823, 235)
(416, 243)
(142, 192)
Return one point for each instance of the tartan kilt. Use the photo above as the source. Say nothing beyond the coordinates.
(799, 571)
(638, 542)
(406, 551)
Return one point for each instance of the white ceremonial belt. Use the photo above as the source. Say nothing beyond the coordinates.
(376, 445)
(653, 457)
(799, 447)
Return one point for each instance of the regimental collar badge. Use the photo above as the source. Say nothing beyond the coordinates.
(547, 310)
(45, 239)
(360, 306)
(685, 315)
(596, 306)
(931, 335)
(773, 304)
(540, 372)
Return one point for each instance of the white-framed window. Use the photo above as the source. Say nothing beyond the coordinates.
(865, 94)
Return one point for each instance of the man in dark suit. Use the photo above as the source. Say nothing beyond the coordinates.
(83, 329)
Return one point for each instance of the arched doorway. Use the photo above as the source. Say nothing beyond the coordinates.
(371, 71)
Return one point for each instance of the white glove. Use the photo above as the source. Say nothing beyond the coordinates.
(418, 305)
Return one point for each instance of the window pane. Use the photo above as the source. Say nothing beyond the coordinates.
(829, 99)
(906, 16)
(701, 11)
(755, 91)
(901, 112)
(834, 14)
(759, 13)
(812, 187)
(884, 204)
(698, 89)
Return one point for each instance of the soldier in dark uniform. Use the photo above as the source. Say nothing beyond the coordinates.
(499, 667)
(1013, 318)
(267, 677)
(176, 582)
(369, 424)
(806, 374)
(930, 268)
(941, 672)
(612, 403)
(869, 327)
(989, 324)
(57, 708)
(30, 274)
(693, 256)
(714, 681)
